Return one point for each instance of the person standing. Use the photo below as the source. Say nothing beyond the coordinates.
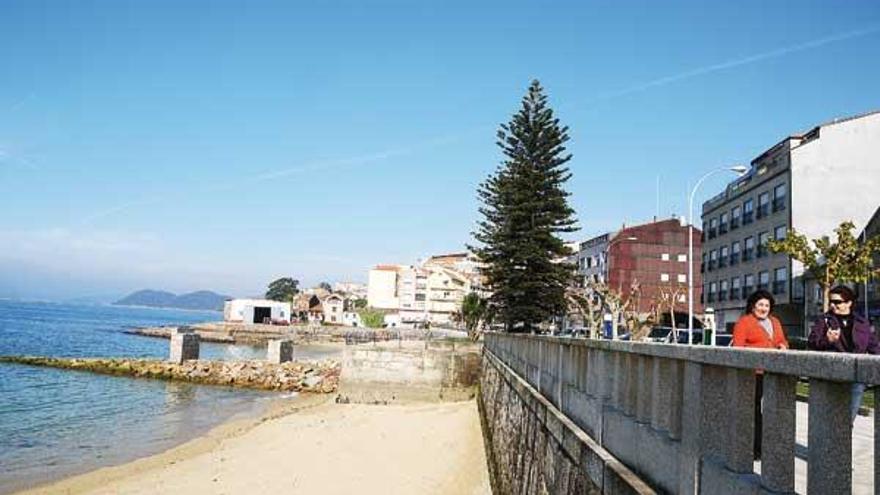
(841, 330)
(758, 328)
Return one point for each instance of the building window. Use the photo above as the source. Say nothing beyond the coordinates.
(779, 193)
(734, 253)
(713, 288)
(722, 224)
(682, 258)
(763, 205)
(748, 211)
(780, 277)
(748, 248)
(420, 297)
(763, 280)
(713, 228)
(748, 285)
(703, 264)
(722, 258)
(664, 277)
(735, 289)
(664, 256)
(682, 278)
(713, 259)
(763, 239)
(735, 216)
(779, 232)
(722, 292)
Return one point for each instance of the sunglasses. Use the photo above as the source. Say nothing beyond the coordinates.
(837, 301)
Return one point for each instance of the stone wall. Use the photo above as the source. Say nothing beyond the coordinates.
(532, 448)
(399, 371)
(680, 417)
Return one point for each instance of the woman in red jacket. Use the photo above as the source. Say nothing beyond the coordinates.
(757, 328)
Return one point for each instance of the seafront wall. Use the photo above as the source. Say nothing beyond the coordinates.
(402, 371)
(680, 418)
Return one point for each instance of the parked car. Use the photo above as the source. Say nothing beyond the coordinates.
(660, 335)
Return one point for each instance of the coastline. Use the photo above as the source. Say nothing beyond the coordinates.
(236, 426)
(312, 445)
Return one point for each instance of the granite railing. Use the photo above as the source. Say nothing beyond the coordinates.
(682, 418)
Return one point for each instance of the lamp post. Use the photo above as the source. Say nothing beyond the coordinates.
(739, 170)
(608, 268)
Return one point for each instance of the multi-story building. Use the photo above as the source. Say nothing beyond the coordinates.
(810, 182)
(651, 257)
(428, 293)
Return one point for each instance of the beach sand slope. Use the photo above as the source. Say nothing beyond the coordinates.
(326, 449)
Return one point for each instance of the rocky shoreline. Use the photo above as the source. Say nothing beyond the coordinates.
(314, 377)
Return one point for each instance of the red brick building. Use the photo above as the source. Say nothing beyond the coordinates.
(653, 256)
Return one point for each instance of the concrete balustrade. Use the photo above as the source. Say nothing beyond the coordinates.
(682, 418)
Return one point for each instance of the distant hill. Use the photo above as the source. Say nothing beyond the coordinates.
(203, 299)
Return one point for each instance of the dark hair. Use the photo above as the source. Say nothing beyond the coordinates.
(845, 292)
(757, 296)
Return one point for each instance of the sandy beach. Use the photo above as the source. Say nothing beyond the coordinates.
(314, 446)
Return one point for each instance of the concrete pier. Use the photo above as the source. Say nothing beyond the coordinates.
(280, 351)
(184, 345)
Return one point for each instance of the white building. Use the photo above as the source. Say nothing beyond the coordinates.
(333, 306)
(429, 293)
(809, 182)
(255, 311)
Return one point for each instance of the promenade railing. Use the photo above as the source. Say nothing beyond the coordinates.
(683, 417)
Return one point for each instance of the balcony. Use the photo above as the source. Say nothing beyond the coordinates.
(747, 218)
(779, 287)
(778, 204)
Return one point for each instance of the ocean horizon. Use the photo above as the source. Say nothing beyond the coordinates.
(57, 423)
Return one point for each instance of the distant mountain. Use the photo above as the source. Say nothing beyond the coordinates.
(203, 299)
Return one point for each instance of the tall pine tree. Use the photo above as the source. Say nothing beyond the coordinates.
(524, 208)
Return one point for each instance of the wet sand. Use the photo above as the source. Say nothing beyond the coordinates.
(312, 445)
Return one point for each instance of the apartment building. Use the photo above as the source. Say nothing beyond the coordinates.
(431, 292)
(650, 256)
(810, 182)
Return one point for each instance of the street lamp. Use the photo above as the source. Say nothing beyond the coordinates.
(740, 170)
(608, 269)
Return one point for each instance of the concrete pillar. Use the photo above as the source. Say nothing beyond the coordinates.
(280, 351)
(645, 380)
(829, 438)
(779, 424)
(184, 345)
(689, 456)
(661, 395)
(740, 420)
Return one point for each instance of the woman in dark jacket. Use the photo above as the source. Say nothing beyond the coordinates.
(841, 330)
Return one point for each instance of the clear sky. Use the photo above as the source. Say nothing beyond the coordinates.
(218, 145)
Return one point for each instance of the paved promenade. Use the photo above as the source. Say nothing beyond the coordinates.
(863, 452)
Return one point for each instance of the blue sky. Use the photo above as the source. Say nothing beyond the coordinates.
(219, 145)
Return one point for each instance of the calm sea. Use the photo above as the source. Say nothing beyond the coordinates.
(54, 423)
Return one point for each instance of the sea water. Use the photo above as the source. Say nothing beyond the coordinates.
(55, 423)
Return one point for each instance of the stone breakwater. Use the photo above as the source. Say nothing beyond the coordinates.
(315, 377)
